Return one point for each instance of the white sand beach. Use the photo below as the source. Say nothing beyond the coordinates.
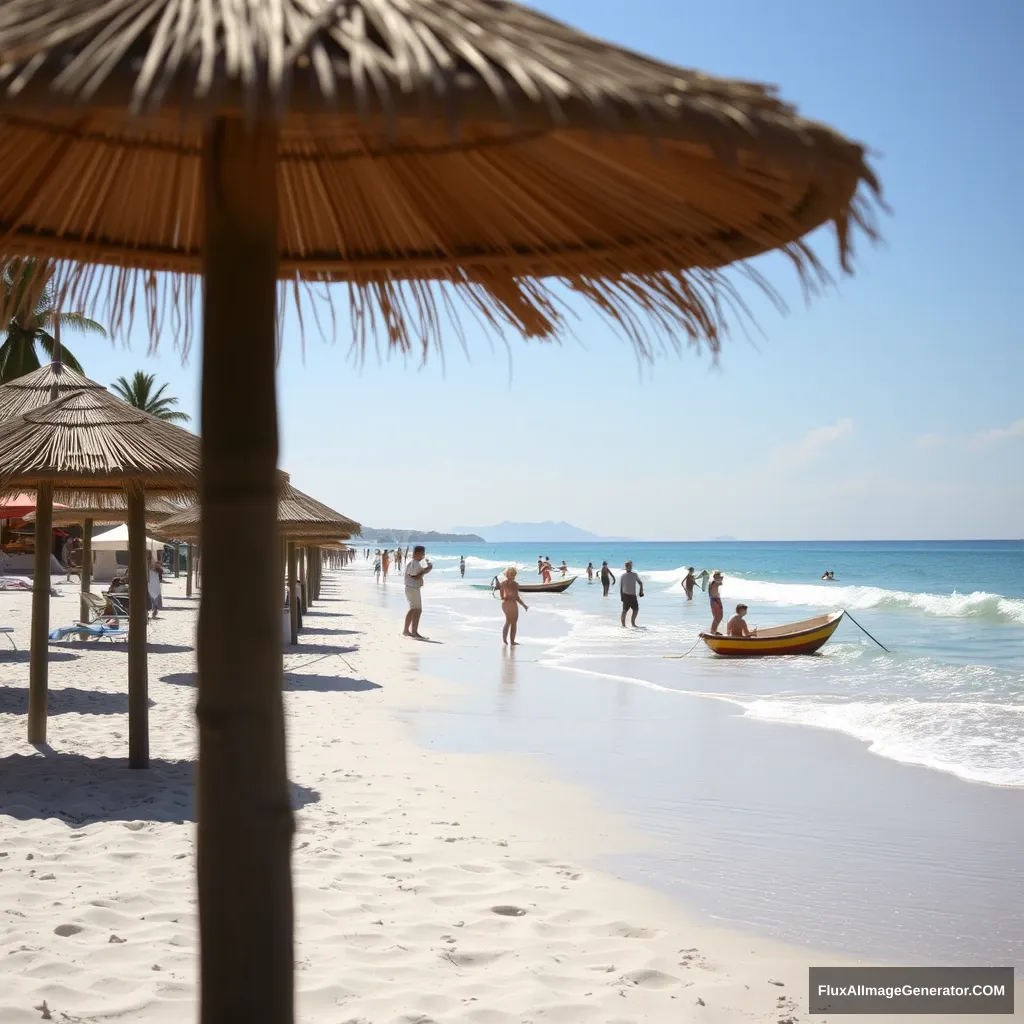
(429, 886)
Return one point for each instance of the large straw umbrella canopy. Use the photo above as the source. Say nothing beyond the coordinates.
(411, 149)
(299, 517)
(92, 441)
(105, 509)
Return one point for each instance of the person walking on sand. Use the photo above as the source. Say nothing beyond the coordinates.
(415, 569)
(376, 565)
(737, 625)
(607, 578)
(154, 589)
(689, 582)
(510, 602)
(462, 566)
(385, 562)
(629, 583)
(717, 613)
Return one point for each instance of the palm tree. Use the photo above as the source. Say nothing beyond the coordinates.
(139, 392)
(29, 314)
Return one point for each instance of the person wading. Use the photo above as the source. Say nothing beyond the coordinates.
(510, 604)
(629, 585)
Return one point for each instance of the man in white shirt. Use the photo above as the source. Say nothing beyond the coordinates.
(415, 569)
(628, 584)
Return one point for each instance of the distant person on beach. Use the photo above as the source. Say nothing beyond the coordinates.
(717, 614)
(828, 574)
(689, 582)
(540, 564)
(415, 569)
(376, 565)
(462, 565)
(590, 572)
(155, 573)
(564, 568)
(607, 578)
(510, 602)
(398, 559)
(545, 570)
(737, 625)
(385, 562)
(629, 583)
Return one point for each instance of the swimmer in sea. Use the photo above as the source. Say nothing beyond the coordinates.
(717, 613)
(689, 582)
(510, 603)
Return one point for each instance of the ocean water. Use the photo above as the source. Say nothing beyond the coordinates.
(949, 694)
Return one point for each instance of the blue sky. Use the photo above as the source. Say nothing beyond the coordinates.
(892, 407)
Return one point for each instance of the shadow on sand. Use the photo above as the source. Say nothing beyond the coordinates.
(313, 683)
(82, 790)
(22, 657)
(68, 700)
(328, 631)
(301, 648)
(121, 647)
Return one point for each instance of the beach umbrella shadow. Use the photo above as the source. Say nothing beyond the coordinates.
(302, 648)
(314, 683)
(83, 790)
(69, 700)
(21, 657)
(328, 631)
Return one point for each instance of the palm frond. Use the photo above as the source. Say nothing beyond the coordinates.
(48, 343)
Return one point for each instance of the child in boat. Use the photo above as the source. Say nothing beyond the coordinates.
(737, 625)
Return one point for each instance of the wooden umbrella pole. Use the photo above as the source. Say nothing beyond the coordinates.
(305, 579)
(86, 568)
(138, 675)
(177, 560)
(293, 595)
(190, 556)
(244, 800)
(38, 665)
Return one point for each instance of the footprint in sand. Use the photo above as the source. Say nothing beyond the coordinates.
(508, 911)
(66, 930)
(649, 978)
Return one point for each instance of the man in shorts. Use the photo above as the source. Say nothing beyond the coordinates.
(415, 569)
(629, 583)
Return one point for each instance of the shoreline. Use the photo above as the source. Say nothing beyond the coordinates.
(402, 853)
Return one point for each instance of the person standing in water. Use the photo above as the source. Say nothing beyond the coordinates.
(545, 570)
(590, 572)
(716, 601)
(607, 578)
(385, 561)
(462, 566)
(376, 565)
(563, 568)
(628, 584)
(689, 582)
(415, 569)
(510, 603)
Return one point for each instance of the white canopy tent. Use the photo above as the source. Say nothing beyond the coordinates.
(106, 549)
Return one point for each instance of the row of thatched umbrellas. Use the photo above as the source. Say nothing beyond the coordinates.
(63, 433)
(443, 160)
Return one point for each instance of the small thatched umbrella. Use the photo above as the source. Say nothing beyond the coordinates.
(299, 518)
(409, 148)
(38, 388)
(92, 441)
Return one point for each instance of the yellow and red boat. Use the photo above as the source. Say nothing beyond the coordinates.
(793, 638)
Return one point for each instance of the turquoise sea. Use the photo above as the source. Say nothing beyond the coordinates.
(948, 696)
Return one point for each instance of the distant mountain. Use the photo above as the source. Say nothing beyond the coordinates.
(547, 532)
(389, 535)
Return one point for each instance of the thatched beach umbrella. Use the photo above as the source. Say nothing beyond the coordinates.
(300, 518)
(37, 388)
(411, 149)
(92, 441)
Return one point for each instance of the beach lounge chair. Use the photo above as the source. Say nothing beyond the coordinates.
(8, 632)
(88, 631)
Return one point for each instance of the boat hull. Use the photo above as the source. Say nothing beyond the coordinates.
(554, 587)
(800, 638)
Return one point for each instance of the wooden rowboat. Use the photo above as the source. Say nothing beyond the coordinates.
(794, 638)
(554, 587)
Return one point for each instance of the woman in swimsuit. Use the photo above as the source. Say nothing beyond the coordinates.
(717, 613)
(510, 602)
